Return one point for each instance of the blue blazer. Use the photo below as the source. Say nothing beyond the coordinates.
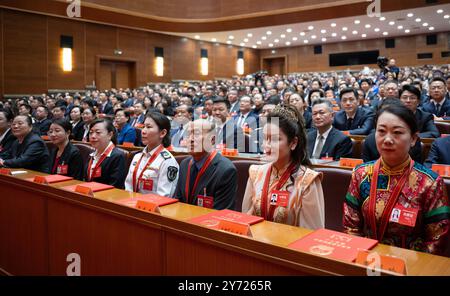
(431, 108)
(362, 122)
(337, 144)
(127, 134)
(439, 152)
(425, 123)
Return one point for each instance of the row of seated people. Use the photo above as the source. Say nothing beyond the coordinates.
(283, 190)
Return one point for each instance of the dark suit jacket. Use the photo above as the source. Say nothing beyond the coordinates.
(232, 136)
(41, 128)
(108, 109)
(6, 144)
(362, 122)
(307, 116)
(337, 144)
(370, 151)
(443, 112)
(31, 154)
(252, 120)
(425, 123)
(220, 181)
(114, 170)
(78, 131)
(71, 156)
(439, 152)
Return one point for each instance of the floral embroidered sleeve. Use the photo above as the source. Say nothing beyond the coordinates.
(353, 220)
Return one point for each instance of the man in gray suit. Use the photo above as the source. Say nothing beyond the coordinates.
(206, 179)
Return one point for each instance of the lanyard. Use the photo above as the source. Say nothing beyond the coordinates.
(205, 166)
(149, 162)
(265, 191)
(395, 193)
(99, 162)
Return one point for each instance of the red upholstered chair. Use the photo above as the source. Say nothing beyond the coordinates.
(85, 150)
(335, 185)
(242, 177)
(443, 126)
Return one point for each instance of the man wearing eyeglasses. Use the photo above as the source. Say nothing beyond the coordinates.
(438, 105)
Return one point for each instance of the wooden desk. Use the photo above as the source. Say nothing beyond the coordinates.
(40, 225)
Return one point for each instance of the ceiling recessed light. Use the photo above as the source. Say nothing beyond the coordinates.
(246, 40)
(382, 18)
(249, 35)
(242, 44)
(229, 42)
(439, 11)
(258, 42)
(334, 34)
(305, 41)
(213, 39)
(231, 37)
(344, 29)
(263, 37)
(391, 23)
(324, 39)
(425, 24)
(313, 37)
(355, 32)
(276, 40)
(197, 37)
(446, 16)
(385, 33)
(357, 22)
(294, 38)
(302, 34)
(418, 20)
(363, 35)
(270, 44)
(410, 14)
(288, 43)
(283, 36)
(400, 27)
(289, 30)
(407, 31)
(273, 51)
(323, 31)
(377, 30)
(368, 26)
(269, 32)
(343, 37)
(333, 25)
(431, 28)
(311, 28)
(254, 46)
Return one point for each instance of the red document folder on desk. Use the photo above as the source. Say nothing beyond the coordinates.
(49, 179)
(94, 186)
(333, 244)
(212, 219)
(153, 198)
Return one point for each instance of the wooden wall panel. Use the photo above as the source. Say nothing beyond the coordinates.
(186, 61)
(25, 52)
(2, 81)
(57, 78)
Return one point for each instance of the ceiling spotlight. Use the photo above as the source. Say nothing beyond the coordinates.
(377, 30)
(333, 25)
(249, 35)
(343, 37)
(311, 28)
(294, 38)
(273, 51)
(363, 35)
(288, 43)
(254, 46)
(324, 39)
(391, 23)
(382, 18)
(418, 20)
(355, 32)
(446, 16)
(425, 24)
(305, 41)
(231, 37)
(258, 42)
(229, 42)
(385, 33)
(213, 39)
(246, 40)
(439, 11)
(289, 30)
(276, 40)
(323, 31)
(334, 34)
(283, 36)
(344, 29)
(357, 22)
(431, 28)
(242, 44)
(400, 27)
(410, 14)
(269, 32)
(270, 44)
(407, 31)
(263, 37)
(197, 37)
(368, 26)
(302, 34)
(313, 37)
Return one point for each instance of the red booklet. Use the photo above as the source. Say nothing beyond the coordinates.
(333, 244)
(93, 186)
(153, 198)
(212, 219)
(49, 179)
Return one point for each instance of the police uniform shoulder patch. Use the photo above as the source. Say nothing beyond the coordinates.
(165, 154)
(172, 173)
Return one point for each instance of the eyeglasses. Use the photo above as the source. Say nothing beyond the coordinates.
(410, 98)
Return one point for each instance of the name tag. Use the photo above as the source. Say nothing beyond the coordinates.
(279, 198)
(62, 169)
(147, 184)
(97, 173)
(404, 216)
(205, 201)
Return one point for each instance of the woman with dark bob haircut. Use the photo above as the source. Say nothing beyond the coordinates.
(154, 170)
(285, 190)
(394, 199)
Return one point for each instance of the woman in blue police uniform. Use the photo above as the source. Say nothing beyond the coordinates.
(65, 158)
(154, 170)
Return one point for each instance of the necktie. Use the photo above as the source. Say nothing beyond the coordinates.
(241, 121)
(219, 134)
(180, 134)
(349, 124)
(438, 109)
(318, 148)
(194, 173)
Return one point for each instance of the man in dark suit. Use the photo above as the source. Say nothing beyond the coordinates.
(209, 178)
(228, 134)
(410, 97)
(42, 123)
(351, 118)
(105, 106)
(325, 140)
(438, 104)
(246, 118)
(234, 101)
(182, 117)
(139, 115)
(439, 152)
